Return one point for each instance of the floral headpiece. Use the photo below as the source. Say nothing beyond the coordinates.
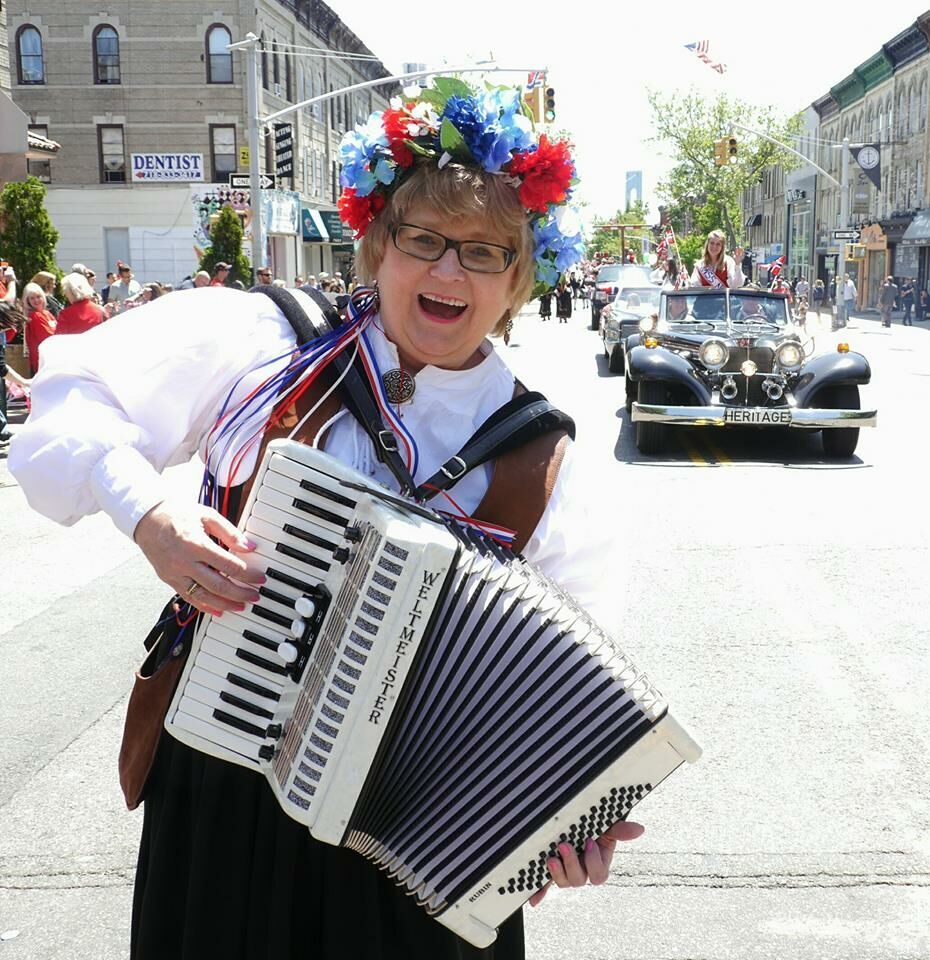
(451, 122)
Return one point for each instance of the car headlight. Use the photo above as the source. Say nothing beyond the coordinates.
(714, 353)
(647, 324)
(748, 368)
(789, 355)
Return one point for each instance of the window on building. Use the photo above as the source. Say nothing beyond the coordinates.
(318, 107)
(30, 63)
(922, 107)
(912, 111)
(264, 62)
(288, 88)
(111, 153)
(219, 57)
(275, 63)
(335, 193)
(223, 152)
(106, 54)
(39, 168)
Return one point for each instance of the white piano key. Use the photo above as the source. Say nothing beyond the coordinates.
(214, 673)
(274, 535)
(212, 732)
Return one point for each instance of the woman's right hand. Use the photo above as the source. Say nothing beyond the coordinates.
(175, 537)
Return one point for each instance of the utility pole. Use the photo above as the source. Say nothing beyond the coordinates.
(256, 121)
(841, 317)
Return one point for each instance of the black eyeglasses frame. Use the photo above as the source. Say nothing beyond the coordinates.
(455, 245)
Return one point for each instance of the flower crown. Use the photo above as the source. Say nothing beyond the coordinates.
(451, 122)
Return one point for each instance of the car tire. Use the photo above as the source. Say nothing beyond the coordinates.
(615, 359)
(840, 443)
(595, 317)
(650, 437)
(630, 393)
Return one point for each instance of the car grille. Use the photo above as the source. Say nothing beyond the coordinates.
(762, 357)
(755, 396)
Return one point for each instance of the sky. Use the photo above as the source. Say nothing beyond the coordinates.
(602, 60)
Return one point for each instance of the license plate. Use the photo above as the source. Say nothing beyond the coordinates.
(767, 417)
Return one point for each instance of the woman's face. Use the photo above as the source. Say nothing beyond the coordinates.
(438, 312)
(36, 302)
(714, 248)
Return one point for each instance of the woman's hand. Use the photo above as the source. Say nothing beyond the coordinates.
(175, 538)
(738, 255)
(568, 870)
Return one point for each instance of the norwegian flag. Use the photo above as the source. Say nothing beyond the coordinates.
(662, 250)
(775, 268)
(700, 49)
(537, 78)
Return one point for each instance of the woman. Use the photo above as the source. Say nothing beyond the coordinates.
(47, 281)
(563, 302)
(40, 324)
(715, 268)
(82, 313)
(454, 250)
(818, 294)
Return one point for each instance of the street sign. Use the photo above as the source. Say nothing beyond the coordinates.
(284, 149)
(244, 157)
(846, 235)
(242, 181)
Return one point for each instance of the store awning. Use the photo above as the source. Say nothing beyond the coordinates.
(314, 230)
(754, 220)
(918, 232)
(334, 226)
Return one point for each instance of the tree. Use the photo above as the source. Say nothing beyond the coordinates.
(702, 196)
(608, 240)
(226, 236)
(27, 235)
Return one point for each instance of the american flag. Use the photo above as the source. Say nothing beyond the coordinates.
(537, 78)
(700, 49)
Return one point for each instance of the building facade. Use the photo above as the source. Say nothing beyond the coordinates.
(152, 115)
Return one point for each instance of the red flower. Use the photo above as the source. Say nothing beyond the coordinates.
(546, 173)
(358, 212)
(396, 124)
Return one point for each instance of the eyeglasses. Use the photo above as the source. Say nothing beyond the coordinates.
(474, 255)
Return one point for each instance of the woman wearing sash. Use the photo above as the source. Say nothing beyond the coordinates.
(461, 209)
(715, 269)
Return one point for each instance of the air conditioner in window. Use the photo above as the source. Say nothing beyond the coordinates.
(113, 163)
(279, 90)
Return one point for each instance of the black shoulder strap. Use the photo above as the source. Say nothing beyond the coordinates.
(356, 392)
(522, 419)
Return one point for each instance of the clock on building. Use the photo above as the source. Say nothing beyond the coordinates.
(868, 158)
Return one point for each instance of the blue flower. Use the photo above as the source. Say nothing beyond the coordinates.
(492, 126)
(366, 158)
(555, 250)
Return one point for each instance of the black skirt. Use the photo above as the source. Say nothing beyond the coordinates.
(224, 872)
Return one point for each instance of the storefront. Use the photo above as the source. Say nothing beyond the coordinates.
(916, 245)
(281, 220)
(900, 260)
(875, 265)
(316, 242)
(343, 250)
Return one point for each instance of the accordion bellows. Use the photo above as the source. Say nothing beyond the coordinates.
(418, 694)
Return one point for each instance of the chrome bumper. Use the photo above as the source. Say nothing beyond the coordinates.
(805, 418)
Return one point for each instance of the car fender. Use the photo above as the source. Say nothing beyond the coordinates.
(828, 370)
(653, 363)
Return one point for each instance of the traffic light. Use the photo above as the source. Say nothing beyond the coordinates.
(549, 113)
(533, 101)
(732, 149)
(720, 153)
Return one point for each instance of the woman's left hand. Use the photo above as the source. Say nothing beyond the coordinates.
(570, 870)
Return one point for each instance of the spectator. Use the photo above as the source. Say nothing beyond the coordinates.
(886, 300)
(220, 274)
(81, 313)
(298, 282)
(8, 286)
(48, 281)
(40, 324)
(277, 282)
(849, 299)
(152, 291)
(125, 287)
(803, 288)
(105, 292)
(200, 279)
(338, 284)
(312, 282)
(563, 302)
(818, 295)
(923, 304)
(263, 276)
(907, 301)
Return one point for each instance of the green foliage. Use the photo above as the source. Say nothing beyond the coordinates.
(27, 235)
(608, 241)
(690, 247)
(701, 196)
(226, 239)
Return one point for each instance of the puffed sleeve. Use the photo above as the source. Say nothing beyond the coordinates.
(576, 550)
(113, 407)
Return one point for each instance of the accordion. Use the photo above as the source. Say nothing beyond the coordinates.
(416, 693)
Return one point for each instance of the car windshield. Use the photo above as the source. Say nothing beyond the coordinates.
(682, 308)
(638, 299)
(748, 305)
(610, 272)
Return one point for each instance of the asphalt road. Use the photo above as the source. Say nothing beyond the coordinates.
(778, 601)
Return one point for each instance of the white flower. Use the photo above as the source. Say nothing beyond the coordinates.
(568, 220)
(444, 159)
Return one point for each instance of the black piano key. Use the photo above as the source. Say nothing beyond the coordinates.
(309, 537)
(272, 617)
(281, 577)
(305, 558)
(317, 511)
(246, 705)
(281, 598)
(265, 642)
(243, 725)
(252, 687)
(256, 661)
(328, 494)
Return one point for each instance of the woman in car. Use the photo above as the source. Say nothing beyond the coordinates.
(715, 268)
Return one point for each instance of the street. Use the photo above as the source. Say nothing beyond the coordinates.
(776, 599)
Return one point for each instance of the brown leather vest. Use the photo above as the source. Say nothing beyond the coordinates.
(521, 483)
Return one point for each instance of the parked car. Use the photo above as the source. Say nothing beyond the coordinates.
(610, 279)
(621, 318)
(730, 358)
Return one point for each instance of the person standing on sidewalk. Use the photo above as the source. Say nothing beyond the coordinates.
(907, 301)
(923, 305)
(886, 298)
(818, 295)
(849, 301)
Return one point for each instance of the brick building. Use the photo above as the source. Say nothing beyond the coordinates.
(151, 113)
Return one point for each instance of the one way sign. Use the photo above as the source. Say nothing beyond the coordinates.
(242, 181)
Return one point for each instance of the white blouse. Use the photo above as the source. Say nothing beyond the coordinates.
(113, 407)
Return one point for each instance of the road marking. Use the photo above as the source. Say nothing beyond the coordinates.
(719, 455)
(697, 457)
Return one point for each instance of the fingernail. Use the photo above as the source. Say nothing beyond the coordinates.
(215, 613)
(589, 845)
(565, 848)
(255, 598)
(263, 580)
(238, 608)
(249, 544)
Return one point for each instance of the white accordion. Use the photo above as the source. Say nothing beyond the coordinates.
(418, 694)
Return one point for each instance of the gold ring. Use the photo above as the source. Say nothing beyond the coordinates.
(191, 591)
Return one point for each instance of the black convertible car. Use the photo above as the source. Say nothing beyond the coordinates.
(723, 358)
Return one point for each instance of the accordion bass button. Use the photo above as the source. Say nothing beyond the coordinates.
(297, 631)
(353, 534)
(341, 554)
(266, 752)
(287, 651)
(305, 607)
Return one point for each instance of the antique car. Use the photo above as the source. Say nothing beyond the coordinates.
(621, 318)
(610, 278)
(734, 358)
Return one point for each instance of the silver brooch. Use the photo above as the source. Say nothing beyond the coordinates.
(399, 385)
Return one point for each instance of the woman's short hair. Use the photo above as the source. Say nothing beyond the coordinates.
(715, 235)
(32, 289)
(457, 192)
(76, 287)
(45, 280)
